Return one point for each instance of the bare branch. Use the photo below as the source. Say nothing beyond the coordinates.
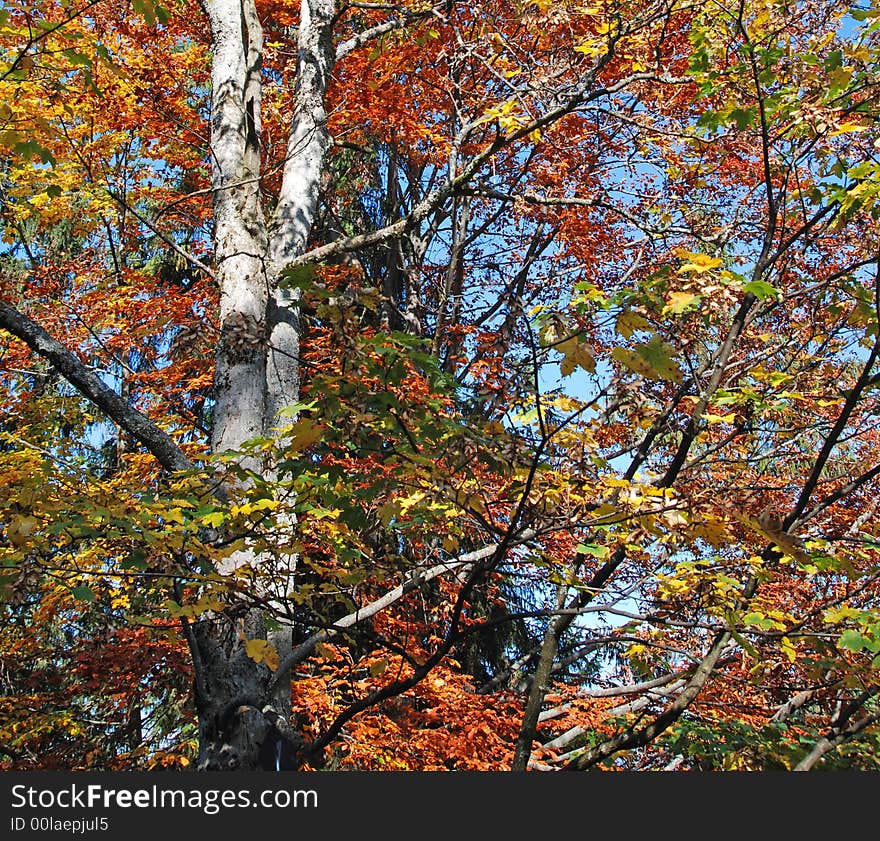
(164, 237)
(457, 565)
(87, 383)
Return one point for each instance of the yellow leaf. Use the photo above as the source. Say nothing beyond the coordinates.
(848, 128)
(325, 652)
(577, 354)
(303, 434)
(788, 544)
(628, 322)
(261, 651)
(680, 302)
(264, 505)
(698, 263)
(20, 529)
(712, 530)
(595, 47)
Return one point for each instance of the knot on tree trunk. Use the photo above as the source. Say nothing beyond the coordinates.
(242, 337)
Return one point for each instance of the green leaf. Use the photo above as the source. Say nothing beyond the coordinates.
(294, 409)
(760, 289)
(136, 560)
(652, 360)
(76, 58)
(83, 594)
(352, 577)
(747, 646)
(852, 641)
(709, 120)
(7, 583)
(659, 356)
(146, 9)
(29, 148)
(593, 549)
(839, 614)
(298, 277)
(742, 117)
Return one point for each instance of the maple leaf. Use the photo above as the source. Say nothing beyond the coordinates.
(698, 263)
(652, 359)
(261, 651)
(575, 354)
(681, 302)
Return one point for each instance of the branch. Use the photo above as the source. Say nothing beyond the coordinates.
(837, 495)
(164, 237)
(852, 399)
(415, 581)
(457, 179)
(631, 738)
(785, 710)
(406, 16)
(530, 197)
(362, 38)
(491, 556)
(613, 692)
(87, 383)
(35, 39)
(692, 428)
(839, 732)
(579, 730)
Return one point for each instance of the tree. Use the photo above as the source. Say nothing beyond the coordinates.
(474, 385)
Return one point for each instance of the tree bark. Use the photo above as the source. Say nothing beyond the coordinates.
(298, 199)
(239, 227)
(257, 360)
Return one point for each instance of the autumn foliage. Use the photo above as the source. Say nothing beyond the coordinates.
(582, 467)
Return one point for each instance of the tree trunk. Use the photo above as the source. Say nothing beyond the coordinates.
(257, 371)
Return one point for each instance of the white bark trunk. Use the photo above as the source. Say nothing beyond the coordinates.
(239, 234)
(232, 687)
(295, 212)
(257, 371)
